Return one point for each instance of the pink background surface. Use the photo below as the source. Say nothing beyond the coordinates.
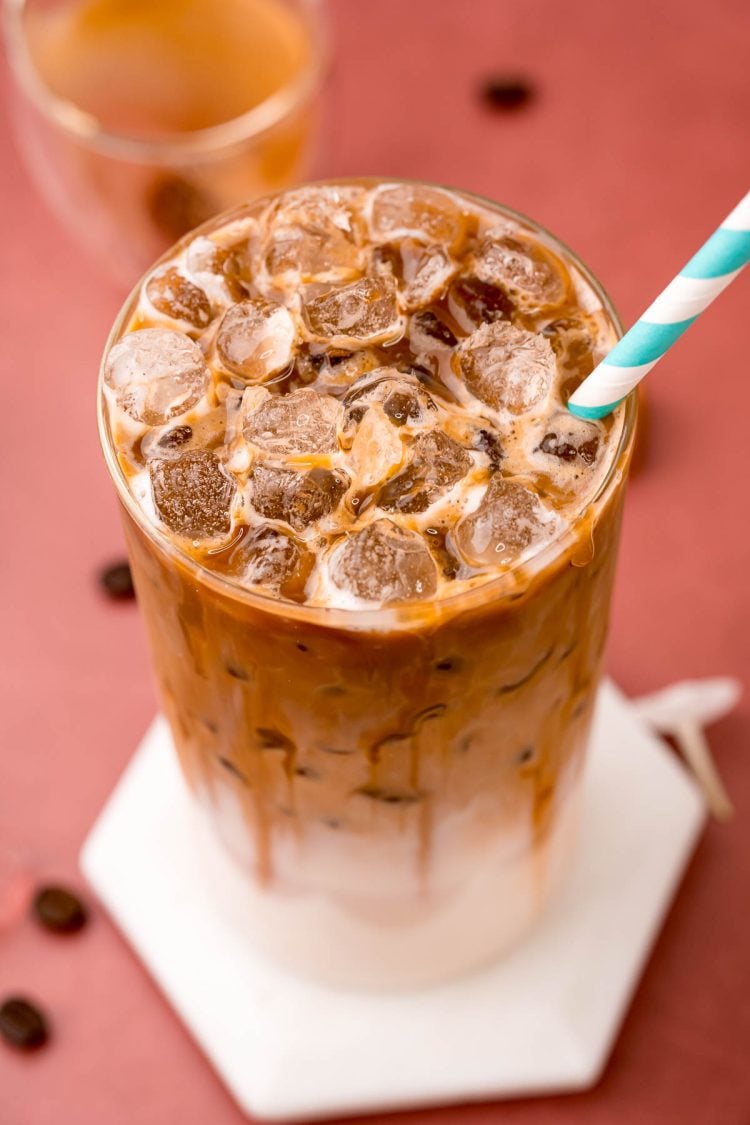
(636, 146)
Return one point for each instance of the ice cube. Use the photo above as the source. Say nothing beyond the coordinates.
(403, 404)
(314, 235)
(415, 211)
(192, 494)
(384, 563)
(570, 439)
(473, 303)
(156, 374)
(220, 270)
(403, 398)
(272, 558)
(174, 296)
(298, 499)
(529, 273)
(301, 422)
(509, 520)
(506, 367)
(256, 339)
(426, 273)
(429, 333)
(436, 462)
(364, 312)
(376, 451)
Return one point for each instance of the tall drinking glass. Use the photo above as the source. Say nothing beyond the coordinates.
(139, 119)
(399, 783)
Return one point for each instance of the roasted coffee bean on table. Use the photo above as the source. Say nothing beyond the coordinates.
(22, 1025)
(117, 581)
(504, 92)
(59, 910)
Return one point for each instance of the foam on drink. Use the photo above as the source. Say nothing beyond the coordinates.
(361, 375)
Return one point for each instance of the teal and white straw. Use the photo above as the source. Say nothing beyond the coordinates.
(716, 264)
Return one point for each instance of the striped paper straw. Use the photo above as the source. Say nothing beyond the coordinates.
(716, 264)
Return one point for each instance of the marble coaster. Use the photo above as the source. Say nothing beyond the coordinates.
(542, 1020)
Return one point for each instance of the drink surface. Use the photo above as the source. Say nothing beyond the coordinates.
(144, 69)
(353, 395)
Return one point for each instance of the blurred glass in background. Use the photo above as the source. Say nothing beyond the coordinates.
(139, 119)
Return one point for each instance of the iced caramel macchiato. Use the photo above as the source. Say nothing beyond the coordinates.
(374, 553)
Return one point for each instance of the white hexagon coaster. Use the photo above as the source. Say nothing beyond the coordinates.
(543, 1020)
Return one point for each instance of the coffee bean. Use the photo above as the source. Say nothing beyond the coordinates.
(506, 92)
(22, 1025)
(117, 581)
(59, 910)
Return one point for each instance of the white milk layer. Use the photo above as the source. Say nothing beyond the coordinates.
(367, 919)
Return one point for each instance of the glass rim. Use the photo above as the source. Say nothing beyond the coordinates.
(165, 148)
(388, 617)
